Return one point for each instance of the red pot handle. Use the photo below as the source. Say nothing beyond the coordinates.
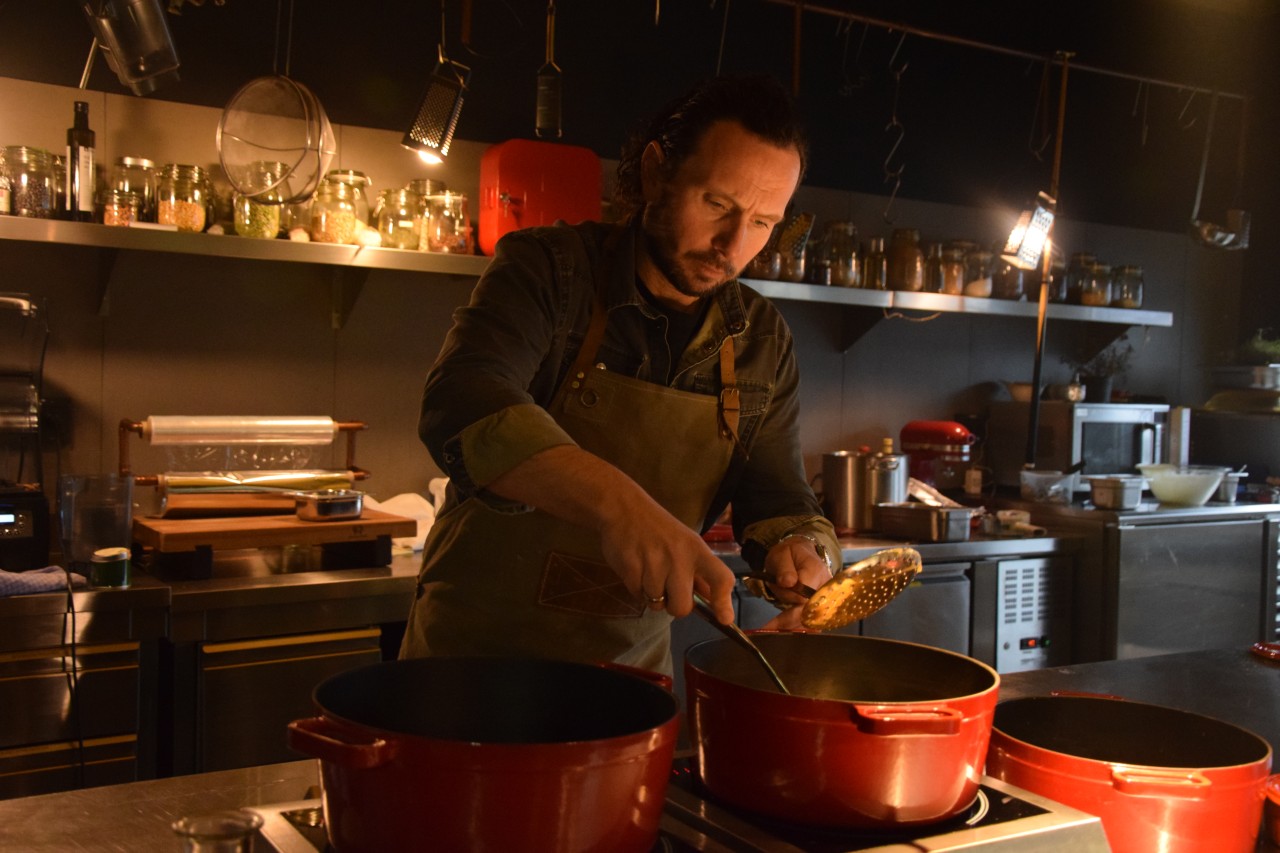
(906, 719)
(1268, 651)
(1183, 784)
(321, 738)
(661, 679)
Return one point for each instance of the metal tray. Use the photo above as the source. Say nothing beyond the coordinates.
(919, 522)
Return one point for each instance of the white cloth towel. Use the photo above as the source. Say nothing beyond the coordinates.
(410, 505)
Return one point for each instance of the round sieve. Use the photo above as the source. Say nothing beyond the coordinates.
(276, 119)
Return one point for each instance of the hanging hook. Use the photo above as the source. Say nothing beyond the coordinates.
(1144, 95)
(1186, 106)
(724, 27)
(891, 172)
(1040, 136)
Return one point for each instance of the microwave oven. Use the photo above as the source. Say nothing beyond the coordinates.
(1109, 438)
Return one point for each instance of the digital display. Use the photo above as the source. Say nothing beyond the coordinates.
(7, 516)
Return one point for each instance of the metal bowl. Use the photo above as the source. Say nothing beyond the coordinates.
(329, 504)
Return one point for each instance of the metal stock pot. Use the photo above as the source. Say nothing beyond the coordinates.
(875, 734)
(491, 754)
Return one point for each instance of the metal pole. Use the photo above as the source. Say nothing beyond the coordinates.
(1033, 417)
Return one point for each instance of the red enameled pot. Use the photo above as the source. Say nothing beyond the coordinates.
(491, 754)
(1160, 779)
(875, 734)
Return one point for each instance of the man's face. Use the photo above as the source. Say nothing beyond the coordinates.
(705, 223)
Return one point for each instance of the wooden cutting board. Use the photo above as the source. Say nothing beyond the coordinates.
(169, 535)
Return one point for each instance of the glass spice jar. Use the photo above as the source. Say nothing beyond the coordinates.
(6, 194)
(358, 181)
(137, 175)
(446, 226)
(766, 265)
(840, 247)
(977, 274)
(1126, 287)
(1007, 280)
(1095, 287)
(1077, 270)
(257, 213)
(933, 277)
(1057, 280)
(397, 213)
(31, 181)
(182, 197)
(333, 212)
(875, 266)
(120, 207)
(905, 260)
(952, 271)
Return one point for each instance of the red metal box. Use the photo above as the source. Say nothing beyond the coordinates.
(524, 183)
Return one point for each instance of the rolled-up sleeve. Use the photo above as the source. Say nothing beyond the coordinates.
(483, 404)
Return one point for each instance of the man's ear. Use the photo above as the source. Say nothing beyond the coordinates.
(651, 171)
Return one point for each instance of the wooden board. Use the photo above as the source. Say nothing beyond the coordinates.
(186, 534)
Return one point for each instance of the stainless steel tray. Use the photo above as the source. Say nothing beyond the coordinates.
(919, 522)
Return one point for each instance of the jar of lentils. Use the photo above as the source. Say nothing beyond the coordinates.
(137, 175)
(31, 181)
(1126, 287)
(397, 213)
(182, 197)
(257, 214)
(120, 207)
(333, 212)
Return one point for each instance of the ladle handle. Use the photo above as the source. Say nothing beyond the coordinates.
(733, 632)
(799, 589)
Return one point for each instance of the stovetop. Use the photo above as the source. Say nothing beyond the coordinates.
(1002, 817)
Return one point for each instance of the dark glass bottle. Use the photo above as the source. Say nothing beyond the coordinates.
(547, 115)
(80, 172)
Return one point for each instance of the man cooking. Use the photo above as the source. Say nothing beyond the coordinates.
(608, 391)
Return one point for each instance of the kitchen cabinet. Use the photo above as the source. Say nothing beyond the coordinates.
(349, 266)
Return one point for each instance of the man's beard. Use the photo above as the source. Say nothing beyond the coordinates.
(660, 241)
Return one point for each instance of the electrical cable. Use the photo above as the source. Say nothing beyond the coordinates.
(72, 677)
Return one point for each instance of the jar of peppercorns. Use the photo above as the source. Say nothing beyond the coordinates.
(31, 186)
(182, 197)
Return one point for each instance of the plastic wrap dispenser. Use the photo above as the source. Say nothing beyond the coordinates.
(214, 491)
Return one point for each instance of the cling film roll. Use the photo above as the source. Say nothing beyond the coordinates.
(236, 429)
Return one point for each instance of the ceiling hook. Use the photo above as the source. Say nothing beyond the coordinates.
(1187, 125)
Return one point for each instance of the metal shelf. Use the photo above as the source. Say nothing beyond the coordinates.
(351, 264)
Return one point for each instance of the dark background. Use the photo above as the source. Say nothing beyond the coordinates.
(976, 131)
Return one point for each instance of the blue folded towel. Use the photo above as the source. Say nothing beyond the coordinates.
(48, 579)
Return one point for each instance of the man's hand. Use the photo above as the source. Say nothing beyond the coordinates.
(793, 560)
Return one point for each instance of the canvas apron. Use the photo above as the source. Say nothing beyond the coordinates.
(531, 584)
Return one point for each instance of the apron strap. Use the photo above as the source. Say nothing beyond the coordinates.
(730, 408)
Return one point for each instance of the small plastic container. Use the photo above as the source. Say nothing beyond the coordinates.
(1046, 487)
(1117, 492)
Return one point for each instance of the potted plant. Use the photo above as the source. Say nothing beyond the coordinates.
(1097, 372)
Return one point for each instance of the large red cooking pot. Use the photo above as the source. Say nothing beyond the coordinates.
(876, 733)
(491, 754)
(1160, 779)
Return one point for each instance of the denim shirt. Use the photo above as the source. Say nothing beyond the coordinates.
(484, 405)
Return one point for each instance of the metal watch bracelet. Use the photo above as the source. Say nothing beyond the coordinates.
(761, 589)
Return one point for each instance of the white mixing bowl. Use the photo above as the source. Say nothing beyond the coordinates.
(1183, 485)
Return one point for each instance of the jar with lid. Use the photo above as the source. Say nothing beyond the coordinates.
(977, 273)
(933, 268)
(358, 181)
(840, 248)
(905, 260)
(137, 175)
(766, 265)
(1095, 287)
(1077, 270)
(423, 187)
(119, 207)
(953, 271)
(817, 265)
(1126, 287)
(257, 211)
(334, 212)
(1057, 279)
(182, 197)
(397, 212)
(6, 194)
(875, 266)
(1007, 280)
(446, 226)
(30, 172)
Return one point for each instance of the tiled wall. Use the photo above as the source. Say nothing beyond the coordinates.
(209, 335)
